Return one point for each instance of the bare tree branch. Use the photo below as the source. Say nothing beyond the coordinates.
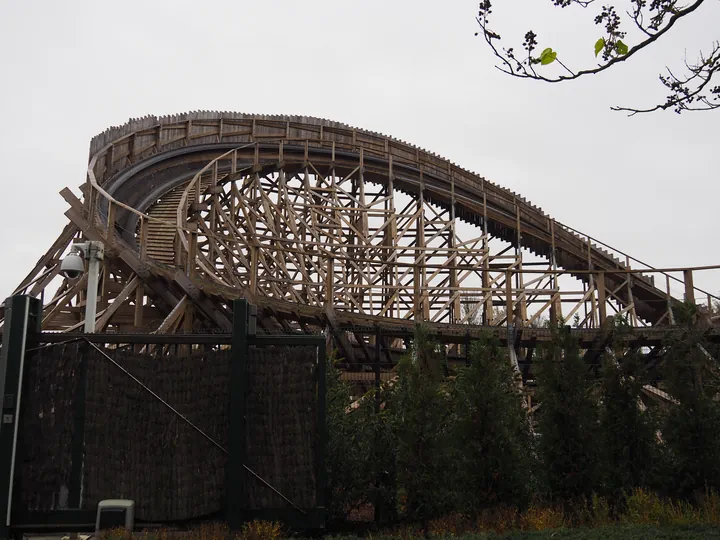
(692, 93)
(654, 18)
(521, 71)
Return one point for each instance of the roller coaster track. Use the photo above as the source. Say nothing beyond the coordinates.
(322, 224)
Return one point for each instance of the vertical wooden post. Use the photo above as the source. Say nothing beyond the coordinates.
(488, 315)
(188, 131)
(556, 306)
(20, 311)
(689, 287)
(602, 308)
(234, 470)
(213, 221)
(508, 297)
(143, 238)
(522, 298)
(110, 224)
(329, 283)
(109, 158)
(455, 314)
(631, 299)
(364, 226)
(192, 248)
(420, 276)
(671, 315)
(591, 286)
(131, 148)
(253, 270)
(389, 236)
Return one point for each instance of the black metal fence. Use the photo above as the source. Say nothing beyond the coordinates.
(222, 426)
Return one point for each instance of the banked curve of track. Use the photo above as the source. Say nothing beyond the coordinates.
(140, 162)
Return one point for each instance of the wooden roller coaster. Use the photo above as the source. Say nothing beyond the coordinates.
(326, 226)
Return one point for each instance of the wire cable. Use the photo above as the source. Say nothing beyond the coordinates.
(188, 422)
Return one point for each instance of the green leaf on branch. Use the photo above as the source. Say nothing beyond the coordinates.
(599, 45)
(548, 56)
(621, 48)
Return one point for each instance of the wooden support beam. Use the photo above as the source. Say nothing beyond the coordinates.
(689, 287)
(601, 297)
(345, 348)
(363, 346)
(508, 297)
(116, 303)
(209, 308)
(74, 291)
(173, 317)
(55, 250)
(110, 237)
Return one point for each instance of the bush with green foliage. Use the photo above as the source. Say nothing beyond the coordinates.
(691, 430)
(491, 433)
(420, 417)
(567, 421)
(629, 455)
(359, 450)
(436, 443)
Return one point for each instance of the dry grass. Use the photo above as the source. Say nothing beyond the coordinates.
(642, 508)
(254, 530)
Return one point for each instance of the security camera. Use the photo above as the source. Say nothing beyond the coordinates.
(73, 266)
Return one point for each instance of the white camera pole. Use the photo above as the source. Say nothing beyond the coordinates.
(94, 252)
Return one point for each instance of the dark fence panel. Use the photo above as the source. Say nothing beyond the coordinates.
(281, 427)
(47, 425)
(94, 427)
(137, 448)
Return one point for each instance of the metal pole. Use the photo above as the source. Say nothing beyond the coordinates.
(94, 254)
(235, 478)
(20, 310)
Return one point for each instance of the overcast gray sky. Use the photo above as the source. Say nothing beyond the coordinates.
(646, 185)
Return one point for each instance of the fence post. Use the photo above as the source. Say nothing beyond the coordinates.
(236, 418)
(22, 316)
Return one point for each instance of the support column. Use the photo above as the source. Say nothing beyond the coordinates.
(689, 287)
(22, 319)
(556, 306)
(671, 315)
(455, 314)
(591, 286)
(601, 297)
(488, 315)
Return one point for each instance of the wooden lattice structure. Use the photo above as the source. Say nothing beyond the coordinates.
(327, 226)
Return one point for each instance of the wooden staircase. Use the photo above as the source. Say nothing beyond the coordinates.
(162, 240)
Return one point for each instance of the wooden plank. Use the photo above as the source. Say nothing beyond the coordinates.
(117, 302)
(173, 316)
(689, 287)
